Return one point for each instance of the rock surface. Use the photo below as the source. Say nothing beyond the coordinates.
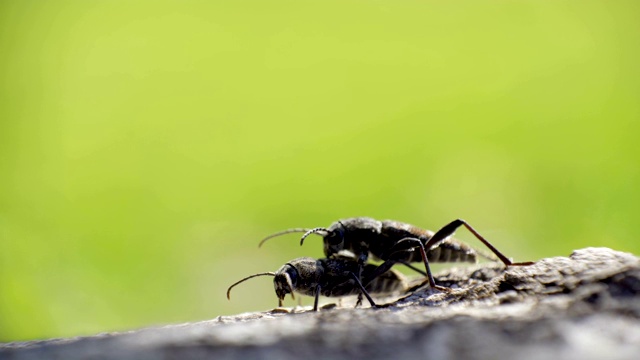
(586, 306)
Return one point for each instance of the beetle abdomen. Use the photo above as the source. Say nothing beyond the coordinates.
(452, 250)
(387, 283)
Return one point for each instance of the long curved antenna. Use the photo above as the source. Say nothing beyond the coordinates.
(314, 231)
(288, 231)
(270, 273)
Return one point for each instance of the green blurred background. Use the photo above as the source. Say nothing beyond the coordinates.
(146, 147)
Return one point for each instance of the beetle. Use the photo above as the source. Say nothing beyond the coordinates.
(331, 277)
(394, 242)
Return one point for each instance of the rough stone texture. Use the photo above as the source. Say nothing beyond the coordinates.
(586, 306)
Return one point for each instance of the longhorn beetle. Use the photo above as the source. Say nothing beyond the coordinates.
(330, 277)
(394, 242)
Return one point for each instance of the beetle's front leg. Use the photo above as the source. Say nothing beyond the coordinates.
(315, 302)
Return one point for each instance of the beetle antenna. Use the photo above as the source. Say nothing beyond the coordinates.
(288, 231)
(314, 231)
(247, 278)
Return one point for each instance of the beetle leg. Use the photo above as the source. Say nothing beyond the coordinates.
(364, 291)
(362, 259)
(423, 252)
(315, 302)
(450, 228)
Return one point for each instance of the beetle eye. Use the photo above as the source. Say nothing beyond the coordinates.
(293, 274)
(335, 238)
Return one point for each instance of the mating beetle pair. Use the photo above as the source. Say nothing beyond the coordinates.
(390, 241)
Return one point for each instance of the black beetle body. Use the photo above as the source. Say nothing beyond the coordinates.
(332, 277)
(364, 235)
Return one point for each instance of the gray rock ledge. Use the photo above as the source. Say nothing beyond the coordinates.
(586, 306)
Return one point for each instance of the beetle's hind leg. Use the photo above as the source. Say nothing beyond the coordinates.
(450, 228)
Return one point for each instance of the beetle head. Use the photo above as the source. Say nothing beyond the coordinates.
(285, 281)
(334, 239)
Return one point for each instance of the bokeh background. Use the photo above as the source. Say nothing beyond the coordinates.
(146, 147)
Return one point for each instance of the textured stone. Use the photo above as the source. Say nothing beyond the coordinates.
(586, 306)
